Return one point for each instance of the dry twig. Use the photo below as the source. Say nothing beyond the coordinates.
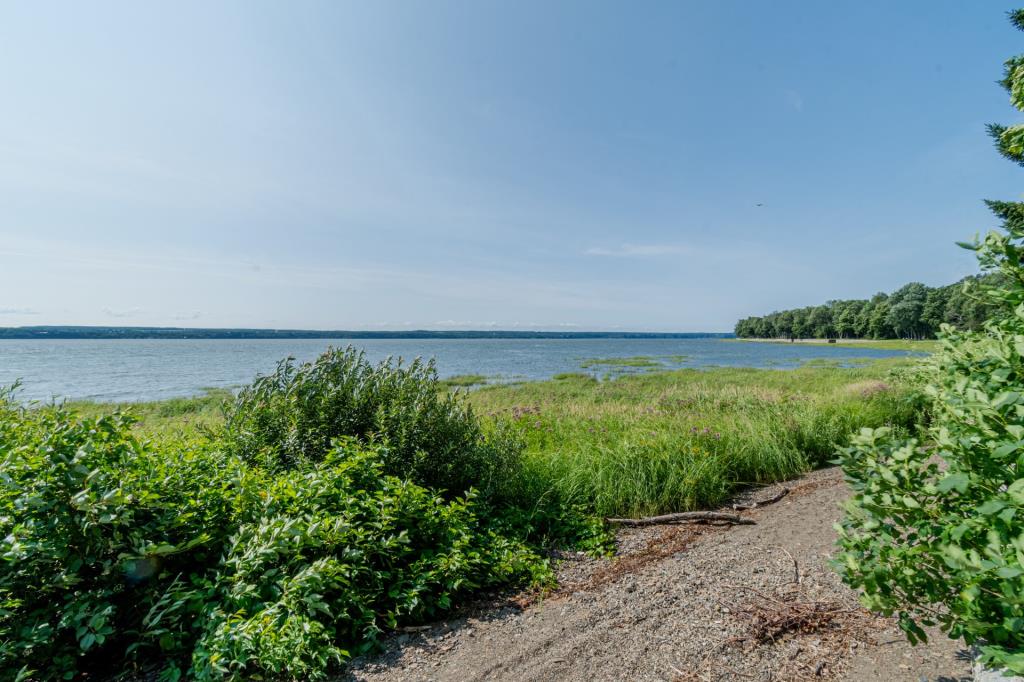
(769, 618)
(796, 566)
(686, 517)
(761, 503)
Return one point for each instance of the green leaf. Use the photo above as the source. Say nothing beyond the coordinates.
(958, 482)
(991, 507)
(157, 550)
(1005, 450)
(1016, 491)
(1009, 571)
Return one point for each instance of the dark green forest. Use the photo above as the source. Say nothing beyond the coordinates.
(914, 311)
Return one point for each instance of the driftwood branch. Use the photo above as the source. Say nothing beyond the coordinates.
(761, 503)
(686, 517)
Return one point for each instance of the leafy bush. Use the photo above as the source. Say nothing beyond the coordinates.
(117, 553)
(431, 435)
(935, 532)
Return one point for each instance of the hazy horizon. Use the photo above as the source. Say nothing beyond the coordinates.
(525, 329)
(582, 167)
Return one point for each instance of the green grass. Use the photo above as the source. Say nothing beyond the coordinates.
(836, 362)
(672, 441)
(464, 380)
(922, 346)
(165, 416)
(636, 361)
(642, 361)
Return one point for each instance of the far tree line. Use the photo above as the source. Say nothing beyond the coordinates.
(914, 311)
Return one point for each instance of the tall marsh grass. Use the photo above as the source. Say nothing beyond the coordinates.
(683, 440)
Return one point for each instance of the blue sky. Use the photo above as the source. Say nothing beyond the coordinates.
(583, 165)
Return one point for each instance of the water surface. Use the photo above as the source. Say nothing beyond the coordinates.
(152, 369)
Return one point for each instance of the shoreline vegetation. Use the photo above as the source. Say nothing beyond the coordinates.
(644, 443)
(918, 345)
(685, 439)
(288, 527)
(637, 361)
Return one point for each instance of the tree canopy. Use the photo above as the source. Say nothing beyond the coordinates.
(914, 311)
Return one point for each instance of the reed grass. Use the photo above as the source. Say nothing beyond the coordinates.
(464, 380)
(165, 417)
(680, 440)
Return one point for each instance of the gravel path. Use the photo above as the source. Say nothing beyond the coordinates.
(684, 603)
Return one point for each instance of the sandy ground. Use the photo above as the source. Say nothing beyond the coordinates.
(684, 603)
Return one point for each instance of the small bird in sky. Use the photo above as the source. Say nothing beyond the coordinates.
(760, 204)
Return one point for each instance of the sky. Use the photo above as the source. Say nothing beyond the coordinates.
(659, 166)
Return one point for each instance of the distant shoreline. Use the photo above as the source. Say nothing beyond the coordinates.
(826, 341)
(920, 345)
(84, 332)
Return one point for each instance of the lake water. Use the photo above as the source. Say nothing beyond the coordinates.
(154, 369)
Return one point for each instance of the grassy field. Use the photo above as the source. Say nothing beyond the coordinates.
(679, 440)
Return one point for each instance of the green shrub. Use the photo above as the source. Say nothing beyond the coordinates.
(118, 553)
(431, 435)
(935, 533)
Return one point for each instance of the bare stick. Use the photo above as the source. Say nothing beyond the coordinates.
(761, 503)
(796, 566)
(686, 517)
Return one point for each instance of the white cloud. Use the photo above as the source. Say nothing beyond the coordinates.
(639, 250)
(18, 311)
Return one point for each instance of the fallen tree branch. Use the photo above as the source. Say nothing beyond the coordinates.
(686, 517)
(761, 503)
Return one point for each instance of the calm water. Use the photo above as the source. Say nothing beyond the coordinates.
(132, 370)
